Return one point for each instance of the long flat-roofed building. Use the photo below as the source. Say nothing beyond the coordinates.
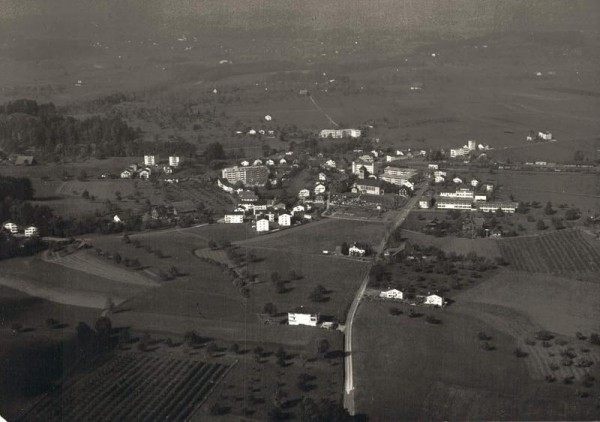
(249, 176)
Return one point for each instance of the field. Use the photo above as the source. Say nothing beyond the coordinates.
(563, 252)
(121, 389)
(441, 372)
(483, 247)
(315, 237)
(62, 284)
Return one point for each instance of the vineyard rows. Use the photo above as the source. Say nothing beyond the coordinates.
(565, 251)
(131, 387)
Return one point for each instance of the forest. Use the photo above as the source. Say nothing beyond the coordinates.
(25, 124)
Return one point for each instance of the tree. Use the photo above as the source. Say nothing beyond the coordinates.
(548, 210)
(118, 195)
(109, 305)
(234, 348)
(85, 334)
(540, 225)
(117, 258)
(275, 277)
(212, 349)
(345, 249)
(85, 194)
(212, 244)
(578, 156)
(572, 214)
(323, 346)
(317, 294)
(214, 151)
(82, 176)
(292, 275)
(51, 322)
(269, 308)
(126, 239)
(280, 287)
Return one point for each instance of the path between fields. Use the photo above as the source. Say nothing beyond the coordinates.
(318, 107)
(348, 361)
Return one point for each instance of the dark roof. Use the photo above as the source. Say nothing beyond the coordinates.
(184, 206)
(367, 182)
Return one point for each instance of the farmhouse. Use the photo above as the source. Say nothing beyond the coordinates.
(302, 317)
(24, 160)
(174, 161)
(339, 133)
(320, 188)
(368, 186)
(298, 209)
(509, 207)
(322, 177)
(434, 300)
(183, 207)
(245, 163)
(391, 294)
(459, 152)
(457, 180)
(284, 220)
(11, 227)
(303, 194)
(433, 166)
(256, 175)
(439, 179)
(144, 174)
(454, 204)
(262, 225)
(356, 250)
(126, 174)
(150, 160)
(480, 197)
(545, 135)
(234, 218)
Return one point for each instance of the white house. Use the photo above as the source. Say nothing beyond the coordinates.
(31, 231)
(433, 166)
(546, 136)
(480, 197)
(320, 188)
(257, 162)
(298, 209)
(439, 179)
(509, 207)
(150, 160)
(234, 218)
(117, 219)
(174, 161)
(284, 220)
(245, 163)
(330, 164)
(489, 187)
(434, 300)
(424, 203)
(270, 162)
(457, 180)
(11, 227)
(126, 174)
(303, 194)
(283, 161)
(168, 170)
(252, 132)
(302, 318)
(391, 294)
(262, 225)
(322, 177)
(356, 251)
(144, 174)
(474, 183)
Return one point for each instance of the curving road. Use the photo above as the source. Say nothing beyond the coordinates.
(348, 368)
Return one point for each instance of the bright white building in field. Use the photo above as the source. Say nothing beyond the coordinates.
(391, 294)
(340, 133)
(303, 318)
(509, 207)
(434, 300)
(174, 161)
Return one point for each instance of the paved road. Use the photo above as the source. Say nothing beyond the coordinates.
(348, 368)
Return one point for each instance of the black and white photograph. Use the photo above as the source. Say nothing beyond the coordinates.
(299, 210)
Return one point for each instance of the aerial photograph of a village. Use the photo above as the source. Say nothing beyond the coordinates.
(299, 210)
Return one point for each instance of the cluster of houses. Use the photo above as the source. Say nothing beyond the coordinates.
(541, 136)
(259, 132)
(12, 228)
(429, 299)
(370, 183)
(151, 163)
(340, 133)
(466, 150)
(476, 196)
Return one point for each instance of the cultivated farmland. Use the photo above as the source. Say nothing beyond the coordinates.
(129, 387)
(567, 251)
